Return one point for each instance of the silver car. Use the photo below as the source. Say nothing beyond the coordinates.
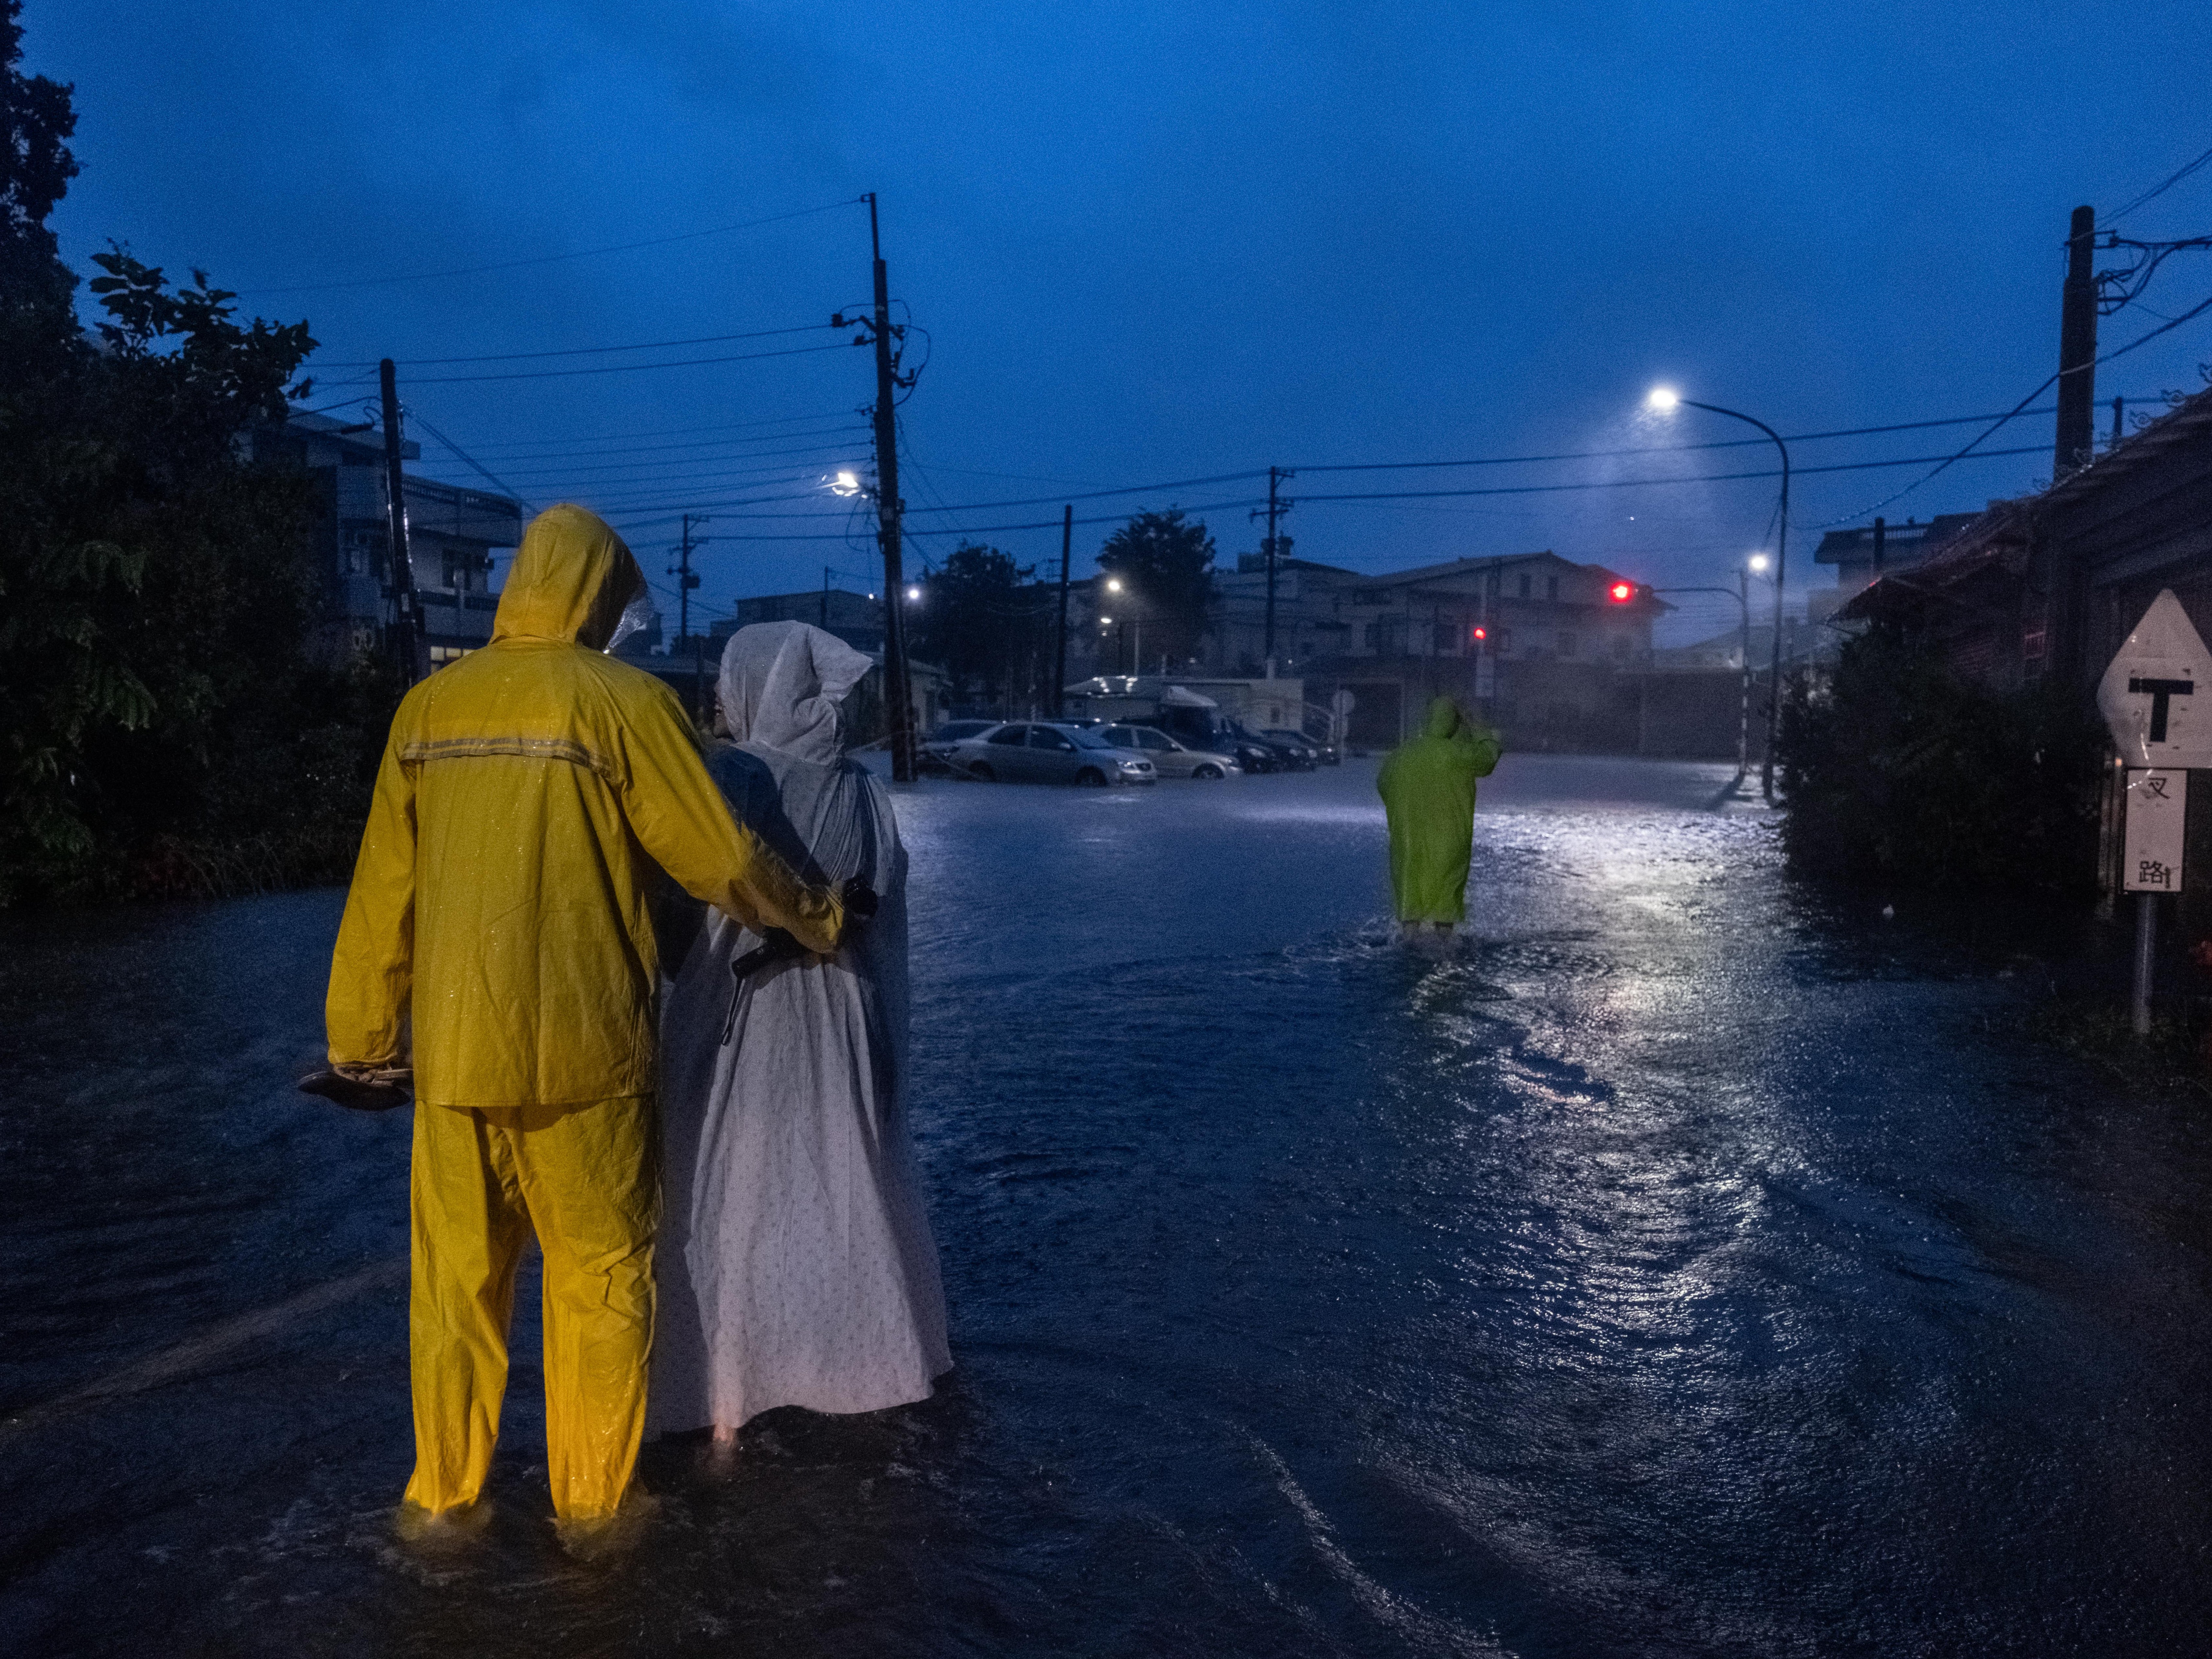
(1044, 751)
(1172, 759)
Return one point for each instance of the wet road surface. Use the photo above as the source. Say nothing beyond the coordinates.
(1689, 1267)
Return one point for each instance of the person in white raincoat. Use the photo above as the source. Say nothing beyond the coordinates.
(796, 1263)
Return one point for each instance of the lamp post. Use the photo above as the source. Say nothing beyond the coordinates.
(1665, 400)
(1741, 594)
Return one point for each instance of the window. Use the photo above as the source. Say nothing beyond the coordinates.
(1566, 642)
(1552, 587)
(1043, 736)
(1524, 586)
(442, 654)
(1121, 737)
(1502, 642)
(1012, 736)
(1374, 636)
(1445, 639)
(1155, 740)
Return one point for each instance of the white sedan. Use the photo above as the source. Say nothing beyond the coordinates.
(1172, 759)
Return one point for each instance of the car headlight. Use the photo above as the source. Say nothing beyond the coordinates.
(1135, 766)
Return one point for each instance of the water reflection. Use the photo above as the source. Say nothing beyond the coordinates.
(1679, 1266)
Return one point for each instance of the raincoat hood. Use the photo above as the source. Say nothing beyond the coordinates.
(572, 580)
(781, 684)
(1444, 718)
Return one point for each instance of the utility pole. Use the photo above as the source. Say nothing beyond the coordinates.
(1060, 654)
(408, 645)
(897, 698)
(2119, 413)
(1276, 508)
(2077, 347)
(686, 579)
(1880, 545)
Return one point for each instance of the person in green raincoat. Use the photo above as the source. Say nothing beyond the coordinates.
(1427, 786)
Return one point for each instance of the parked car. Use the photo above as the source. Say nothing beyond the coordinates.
(1207, 728)
(1172, 759)
(1048, 752)
(1306, 752)
(937, 748)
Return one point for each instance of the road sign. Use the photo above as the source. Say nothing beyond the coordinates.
(2156, 698)
(2158, 806)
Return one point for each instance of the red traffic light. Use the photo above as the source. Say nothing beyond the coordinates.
(1622, 592)
(1482, 633)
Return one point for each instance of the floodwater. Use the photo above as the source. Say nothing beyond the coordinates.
(1689, 1267)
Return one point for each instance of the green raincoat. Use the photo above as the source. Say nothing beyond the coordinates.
(1427, 786)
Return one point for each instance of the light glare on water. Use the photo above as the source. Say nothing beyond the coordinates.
(1678, 1266)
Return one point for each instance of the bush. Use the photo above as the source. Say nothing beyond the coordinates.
(1903, 773)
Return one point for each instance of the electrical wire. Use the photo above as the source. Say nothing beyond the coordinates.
(549, 259)
(2159, 189)
(2117, 351)
(586, 352)
(617, 368)
(504, 488)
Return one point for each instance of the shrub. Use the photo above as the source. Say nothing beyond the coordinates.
(1903, 773)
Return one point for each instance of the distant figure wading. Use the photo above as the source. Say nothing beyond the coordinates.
(1427, 786)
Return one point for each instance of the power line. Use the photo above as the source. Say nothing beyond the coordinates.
(548, 258)
(503, 487)
(680, 431)
(618, 368)
(731, 445)
(591, 351)
(2159, 189)
(2117, 351)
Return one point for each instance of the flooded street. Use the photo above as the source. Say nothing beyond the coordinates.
(1689, 1267)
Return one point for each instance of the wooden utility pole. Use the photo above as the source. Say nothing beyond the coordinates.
(897, 697)
(1059, 652)
(408, 645)
(2077, 347)
(686, 579)
(1276, 508)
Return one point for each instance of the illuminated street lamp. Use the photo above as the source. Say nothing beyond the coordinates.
(1664, 400)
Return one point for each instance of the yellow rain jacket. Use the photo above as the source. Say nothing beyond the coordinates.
(526, 795)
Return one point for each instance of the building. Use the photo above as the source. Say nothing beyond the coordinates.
(2051, 583)
(855, 618)
(454, 536)
(1878, 549)
(1548, 649)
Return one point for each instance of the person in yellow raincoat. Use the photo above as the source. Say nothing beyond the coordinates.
(1427, 784)
(498, 932)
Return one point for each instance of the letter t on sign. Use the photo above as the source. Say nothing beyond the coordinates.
(2159, 691)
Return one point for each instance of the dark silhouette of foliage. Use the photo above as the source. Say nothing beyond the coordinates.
(985, 621)
(165, 724)
(1165, 563)
(1904, 774)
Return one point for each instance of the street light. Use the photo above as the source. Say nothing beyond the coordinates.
(846, 482)
(1758, 561)
(1664, 400)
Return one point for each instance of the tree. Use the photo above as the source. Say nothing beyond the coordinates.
(1165, 564)
(164, 723)
(36, 123)
(983, 619)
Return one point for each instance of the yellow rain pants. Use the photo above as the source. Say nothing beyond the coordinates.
(586, 1177)
(498, 936)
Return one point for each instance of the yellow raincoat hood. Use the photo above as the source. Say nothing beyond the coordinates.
(572, 580)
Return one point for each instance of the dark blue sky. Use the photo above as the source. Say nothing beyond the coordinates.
(1162, 241)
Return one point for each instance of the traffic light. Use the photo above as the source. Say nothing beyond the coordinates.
(1482, 633)
(1622, 592)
